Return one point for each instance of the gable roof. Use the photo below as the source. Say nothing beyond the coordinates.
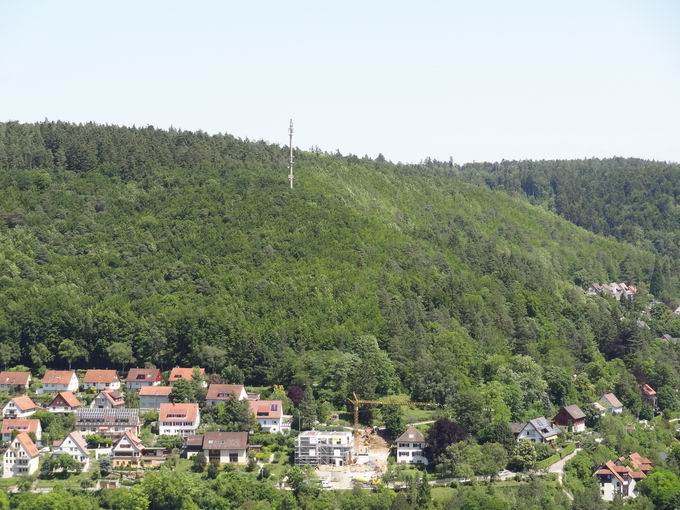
(648, 390)
(266, 408)
(574, 412)
(77, 438)
(611, 399)
(517, 426)
(15, 378)
(225, 440)
(155, 391)
(94, 376)
(24, 403)
(178, 412)
(58, 376)
(144, 374)
(23, 424)
(132, 438)
(28, 444)
(544, 428)
(68, 397)
(178, 373)
(412, 434)
(223, 391)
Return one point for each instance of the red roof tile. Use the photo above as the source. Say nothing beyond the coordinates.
(22, 424)
(178, 412)
(57, 377)
(155, 391)
(266, 408)
(94, 376)
(28, 444)
(15, 378)
(178, 373)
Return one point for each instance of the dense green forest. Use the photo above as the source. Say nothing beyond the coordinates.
(368, 277)
(631, 199)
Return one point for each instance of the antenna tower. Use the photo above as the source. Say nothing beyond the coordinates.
(290, 161)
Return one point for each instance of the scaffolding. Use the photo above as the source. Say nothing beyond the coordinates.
(324, 448)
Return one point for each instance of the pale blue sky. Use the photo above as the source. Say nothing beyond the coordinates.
(472, 80)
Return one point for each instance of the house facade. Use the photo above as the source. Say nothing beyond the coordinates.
(21, 457)
(411, 447)
(222, 392)
(317, 447)
(151, 397)
(101, 380)
(110, 399)
(571, 418)
(178, 419)
(648, 395)
(269, 414)
(64, 402)
(610, 404)
(74, 445)
(107, 422)
(59, 380)
(130, 452)
(19, 407)
(219, 447)
(27, 425)
(14, 382)
(539, 430)
(138, 378)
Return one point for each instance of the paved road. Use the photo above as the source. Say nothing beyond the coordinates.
(558, 469)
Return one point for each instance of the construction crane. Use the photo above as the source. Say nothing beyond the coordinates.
(390, 400)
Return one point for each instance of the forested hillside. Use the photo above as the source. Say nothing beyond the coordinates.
(367, 277)
(631, 199)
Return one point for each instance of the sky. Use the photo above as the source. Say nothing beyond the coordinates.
(473, 80)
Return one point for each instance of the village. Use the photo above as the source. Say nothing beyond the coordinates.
(129, 424)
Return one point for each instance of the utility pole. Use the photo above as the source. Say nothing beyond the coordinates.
(290, 161)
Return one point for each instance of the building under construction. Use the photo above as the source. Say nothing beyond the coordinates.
(324, 448)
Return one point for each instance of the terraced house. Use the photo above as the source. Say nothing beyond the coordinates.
(107, 422)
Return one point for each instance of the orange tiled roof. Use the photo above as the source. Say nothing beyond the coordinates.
(155, 391)
(178, 412)
(68, 397)
(178, 373)
(57, 377)
(94, 376)
(28, 444)
(266, 408)
(15, 378)
(22, 424)
(24, 403)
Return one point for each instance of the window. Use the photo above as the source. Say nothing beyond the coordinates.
(233, 457)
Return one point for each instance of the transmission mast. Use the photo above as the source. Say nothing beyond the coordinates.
(290, 161)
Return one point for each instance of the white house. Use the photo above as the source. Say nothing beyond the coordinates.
(75, 446)
(59, 380)
(110, 399)
(64, 402)
(14, 382)
(101, 380)
(138, 378)
(19, 407)
(221, 392)
(321, 447)
(219, 447)
(539, 430)
(21, 458)
(621, 477)
(269, 414)
(610, 404)
(151, 397)
(411, 447)
(28, 425)
(178, 419)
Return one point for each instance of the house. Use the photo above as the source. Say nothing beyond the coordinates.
(101, 380)
(107, 422)
(187, 374)
(64, 402)
(19, 407)
(648, 395)
(74, 445)
(317, 447)
(570, 418)
(610, 404)
(28, 425)
(621, 477)
(539, 430)
(617, 290)
(14, 382)
(129, 452)
(21, 458)
(178, 419)
(219, 447)
(59, 380)
(269, 414)
(411, 447)
(138, 378)
(151, 397)
(110, 399)
(516, 427)
(221, 392)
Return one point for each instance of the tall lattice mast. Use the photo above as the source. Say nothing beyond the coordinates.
(290, 161)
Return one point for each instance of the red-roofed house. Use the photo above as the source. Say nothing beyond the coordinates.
(648, 395)
(151, 397)
(138, 378)
(617, 478)
(101, 380)
(178, 373)
(110, 399)
(59, 380)
(64, 402)
(14, 382)
(221, 392)
(21, 458)
(178, 419)
(19, 407)
(27, 425)
(269, 414)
